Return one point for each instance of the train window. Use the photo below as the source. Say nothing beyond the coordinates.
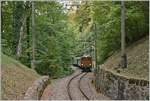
(86, 58)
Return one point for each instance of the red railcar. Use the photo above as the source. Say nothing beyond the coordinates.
(86, 63)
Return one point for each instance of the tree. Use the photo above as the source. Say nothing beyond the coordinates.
(123, 53)
(33, 36)
(28, 39)
(17, 25)
(107, 16)
(19, 46)
(57, 38)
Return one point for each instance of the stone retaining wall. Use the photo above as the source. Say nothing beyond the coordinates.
(35, 91)
(122, 88)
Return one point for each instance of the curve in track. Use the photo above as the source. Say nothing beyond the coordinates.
(68, 85)
(79, 86)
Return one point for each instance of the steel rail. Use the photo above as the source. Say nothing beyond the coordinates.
(68, 85)
(79, 86)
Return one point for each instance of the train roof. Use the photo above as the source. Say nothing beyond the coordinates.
(86, 56)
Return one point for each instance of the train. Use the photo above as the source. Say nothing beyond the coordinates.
(84, 63)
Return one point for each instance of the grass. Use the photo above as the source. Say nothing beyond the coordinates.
(137, 56)
(16, 78)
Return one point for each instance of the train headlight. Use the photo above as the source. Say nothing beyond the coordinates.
(81, 64)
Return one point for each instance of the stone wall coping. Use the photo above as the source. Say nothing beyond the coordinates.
(123, 76)
(34, 92)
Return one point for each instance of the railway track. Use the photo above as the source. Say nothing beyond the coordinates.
(78, 86)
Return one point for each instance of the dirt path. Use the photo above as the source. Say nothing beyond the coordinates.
(57, 90)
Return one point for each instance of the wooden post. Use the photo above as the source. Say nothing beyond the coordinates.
(123, 52)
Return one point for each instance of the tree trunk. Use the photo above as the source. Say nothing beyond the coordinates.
(19, 46)
(2, 19)
(33, 37)
(28, 38)
(17, 23)
(123, 53)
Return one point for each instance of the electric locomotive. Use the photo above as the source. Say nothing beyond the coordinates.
(86, 63)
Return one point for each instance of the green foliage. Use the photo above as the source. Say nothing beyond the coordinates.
(136, 21)
(18, 14)
(6, 20)
(53, 40)
(12, 16)
(107, 17)
(53, 36)
(58, 34)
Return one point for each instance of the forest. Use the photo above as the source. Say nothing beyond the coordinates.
(46, 35)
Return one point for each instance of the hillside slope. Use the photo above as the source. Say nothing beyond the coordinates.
(16, 78)
(137, 56)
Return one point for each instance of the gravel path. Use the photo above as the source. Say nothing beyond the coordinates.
(57, 90)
